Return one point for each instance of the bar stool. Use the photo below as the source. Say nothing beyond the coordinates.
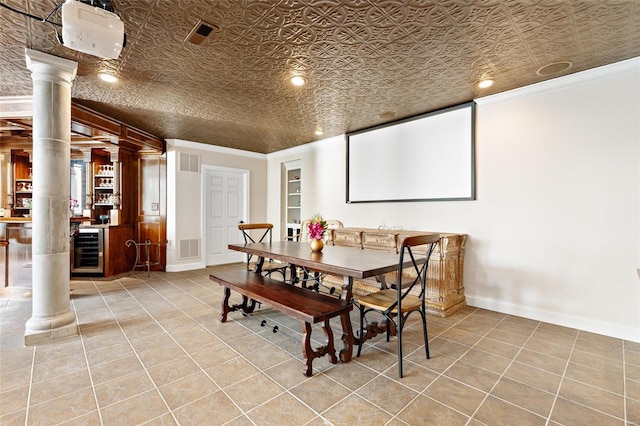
(5, 244)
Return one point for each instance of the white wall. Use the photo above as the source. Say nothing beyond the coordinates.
(185, 199)
(554, 234)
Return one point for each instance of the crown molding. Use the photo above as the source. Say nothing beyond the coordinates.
(179, 143)
(563, 82)
(16, 106)
(308, 147)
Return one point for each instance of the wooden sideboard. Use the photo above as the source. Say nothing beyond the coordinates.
(445, 289)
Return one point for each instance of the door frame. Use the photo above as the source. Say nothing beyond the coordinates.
(206, 170)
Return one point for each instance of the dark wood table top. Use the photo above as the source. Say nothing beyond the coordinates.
(346, 261)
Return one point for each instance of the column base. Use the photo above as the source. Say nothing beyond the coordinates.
(37, 331)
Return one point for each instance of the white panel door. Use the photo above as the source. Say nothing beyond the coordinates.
(225, 199)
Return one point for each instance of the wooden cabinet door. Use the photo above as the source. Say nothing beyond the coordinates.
(151, 220)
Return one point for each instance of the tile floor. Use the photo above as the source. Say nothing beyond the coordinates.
(151, 350)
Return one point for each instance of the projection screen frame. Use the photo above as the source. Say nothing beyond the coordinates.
(471, 166)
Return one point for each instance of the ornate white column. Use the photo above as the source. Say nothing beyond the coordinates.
(51, 315)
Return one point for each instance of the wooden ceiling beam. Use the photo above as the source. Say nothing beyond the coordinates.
(88, 127)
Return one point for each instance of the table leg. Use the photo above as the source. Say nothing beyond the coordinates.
(347, 289)
(259, 265)
(347, 330)
(294, 273)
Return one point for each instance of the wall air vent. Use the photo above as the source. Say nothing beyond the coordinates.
(200, 32)
(189, 162)
(189, 248)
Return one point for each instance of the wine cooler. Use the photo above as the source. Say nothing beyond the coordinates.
(88, 252)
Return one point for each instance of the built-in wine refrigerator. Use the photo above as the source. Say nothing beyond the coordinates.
(87, 249)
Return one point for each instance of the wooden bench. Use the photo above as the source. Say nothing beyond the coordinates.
(300, 303)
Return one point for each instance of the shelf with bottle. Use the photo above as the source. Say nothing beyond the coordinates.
(22, 206)
(103, 199)
(102, 182)
(104, 170)
(23, 197)
(24, 186)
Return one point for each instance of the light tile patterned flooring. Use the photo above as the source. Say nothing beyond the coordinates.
(152, 350)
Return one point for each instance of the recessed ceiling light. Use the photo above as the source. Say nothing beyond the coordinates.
(319, 132)
(298, 80)
(554, 68)
(109, 78)
(483, 84)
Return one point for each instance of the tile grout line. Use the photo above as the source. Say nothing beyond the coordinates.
(86, 359)
(33, 366)
(191, 287)
(564, 372)
(505, 370)
(133, 348)
(624, 382)
(591, 386)
(287, 335)
(418, 394)
(442, 373)
(421, 393)
(378, 374)
(260, 370)
(317, 414)
(179, 345)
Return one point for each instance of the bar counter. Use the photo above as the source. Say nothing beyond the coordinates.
(18, 232)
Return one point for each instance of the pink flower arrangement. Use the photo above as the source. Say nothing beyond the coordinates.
(317, 227)
(73, 203)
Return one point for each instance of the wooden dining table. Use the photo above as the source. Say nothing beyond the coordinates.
(349, 262)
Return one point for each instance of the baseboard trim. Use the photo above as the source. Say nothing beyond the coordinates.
(580, 323)
(182, 267)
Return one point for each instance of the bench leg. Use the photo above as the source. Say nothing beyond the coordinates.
(246, 306)
(347, 338)
(225, 305)
(310, 354)
(333, 359)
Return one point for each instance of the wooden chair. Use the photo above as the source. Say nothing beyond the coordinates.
(396, 304)
(262, 234)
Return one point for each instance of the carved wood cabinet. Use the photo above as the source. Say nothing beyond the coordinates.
(445, 289)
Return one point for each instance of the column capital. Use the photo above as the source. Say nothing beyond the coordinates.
(114, 153)
(86, 154)
(50, 68)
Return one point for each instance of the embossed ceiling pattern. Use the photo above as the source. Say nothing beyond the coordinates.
(361, 58)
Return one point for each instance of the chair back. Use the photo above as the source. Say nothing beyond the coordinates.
(262, 235)
(263, 232)
(414, 255)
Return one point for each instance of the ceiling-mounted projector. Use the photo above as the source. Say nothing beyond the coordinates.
(92, 30)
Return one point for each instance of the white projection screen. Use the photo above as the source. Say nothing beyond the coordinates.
(429, 157)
